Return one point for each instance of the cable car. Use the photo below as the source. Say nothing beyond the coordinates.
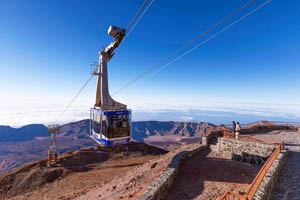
(111, 127)
(110, 121)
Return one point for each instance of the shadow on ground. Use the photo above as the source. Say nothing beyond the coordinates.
(207, 177)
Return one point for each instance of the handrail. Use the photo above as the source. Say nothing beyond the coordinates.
(266, 123)
(257, 180)
(262, 172)
(260, 123)
(229, 193)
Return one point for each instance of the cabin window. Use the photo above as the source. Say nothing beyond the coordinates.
(104, 126)
(96, 123)
(118, 126)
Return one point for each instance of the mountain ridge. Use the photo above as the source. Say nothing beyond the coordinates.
(25, 144)
(80, 128)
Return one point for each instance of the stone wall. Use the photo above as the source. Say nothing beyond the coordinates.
(265, 188)
(207, 138)
(250, 152)
(167, 178)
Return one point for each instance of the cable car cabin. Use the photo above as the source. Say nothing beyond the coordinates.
(110, 127)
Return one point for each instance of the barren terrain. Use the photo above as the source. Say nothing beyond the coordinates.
(30, 143)
(125, 172)
(76, 173)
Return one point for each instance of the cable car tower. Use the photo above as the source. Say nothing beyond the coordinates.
(52, 153)
(110, 122)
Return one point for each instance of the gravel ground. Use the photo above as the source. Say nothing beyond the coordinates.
(288, 182)
(207, 176)
(132, 184)
(76, 172)
(77, 184)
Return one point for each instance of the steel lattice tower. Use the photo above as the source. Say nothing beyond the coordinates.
(52, 153)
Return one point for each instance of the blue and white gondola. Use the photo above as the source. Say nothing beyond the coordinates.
(110, 128)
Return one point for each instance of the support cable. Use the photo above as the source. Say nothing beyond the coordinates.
(137, 21)
(141, 8)
(181, 48)
(74, 98)
(205, 41)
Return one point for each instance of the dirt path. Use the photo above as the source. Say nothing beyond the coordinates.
(207, 176)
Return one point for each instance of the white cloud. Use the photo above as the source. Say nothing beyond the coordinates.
(35, 110)
(186, 118)
(18, 118)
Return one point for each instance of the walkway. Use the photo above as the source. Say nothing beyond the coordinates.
(288, 182)
(207, 177)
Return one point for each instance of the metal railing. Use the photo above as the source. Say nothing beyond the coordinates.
(263, 171)
(260, 123)
(230, 195)
(227, 132)
(263, 123)
(288, 124)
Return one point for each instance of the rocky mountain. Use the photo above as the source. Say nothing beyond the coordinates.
(9, 134)
(78, 130)
(31, 142)
(145, 129)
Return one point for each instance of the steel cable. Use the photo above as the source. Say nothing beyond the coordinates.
(77, 94)
(136, 14)
(181, 48)
(137, 21)
(211, 37)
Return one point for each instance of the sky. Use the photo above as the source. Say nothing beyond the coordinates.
(248, 72)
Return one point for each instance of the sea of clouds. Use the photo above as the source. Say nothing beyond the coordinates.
(19, 116)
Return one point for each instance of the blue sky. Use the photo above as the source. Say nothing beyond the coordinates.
(46, 48)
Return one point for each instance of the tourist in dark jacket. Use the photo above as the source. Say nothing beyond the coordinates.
(233, 126)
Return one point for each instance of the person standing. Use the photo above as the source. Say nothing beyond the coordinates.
(233, 126)
(237, 130)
